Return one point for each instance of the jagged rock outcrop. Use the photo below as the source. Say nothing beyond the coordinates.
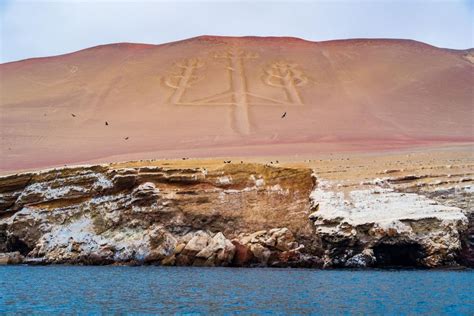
(156, 215)
(235, 214)
(276, 247)
(11, 258)
(463, 198)
(381, 227)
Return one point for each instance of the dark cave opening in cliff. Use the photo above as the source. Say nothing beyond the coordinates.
(16, 244)
(398, 255)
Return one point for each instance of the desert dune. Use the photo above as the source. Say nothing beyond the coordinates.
(224, 96)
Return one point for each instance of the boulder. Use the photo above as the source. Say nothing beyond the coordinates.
(243, 255)
(364, 259)
(284, 239)
(276, 246)
(162, 245)
(179, 248)
(261, 253)
(168, 261)
(198, 242)
(219, 251)
(10, 258)
(145, 194)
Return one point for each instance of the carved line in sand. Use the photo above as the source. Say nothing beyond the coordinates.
(280, 74)
(286, 76)
(185, 78)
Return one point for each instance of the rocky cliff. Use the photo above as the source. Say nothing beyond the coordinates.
(239, 214)
(231, 214)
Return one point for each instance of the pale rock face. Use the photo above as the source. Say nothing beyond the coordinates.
(224, 180)
(221, 248)
(276, 247)
(386, 224)
(198, 242)
(78, 241)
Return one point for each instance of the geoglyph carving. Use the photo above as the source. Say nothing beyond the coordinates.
(280, 74)
(184, 78)
(287, 76)
(238, 85)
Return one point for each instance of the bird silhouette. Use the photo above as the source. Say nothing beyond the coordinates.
(73, 115)
(284, 114)
(106, 123)
(126, 138)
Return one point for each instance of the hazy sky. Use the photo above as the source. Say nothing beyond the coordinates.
(44, 28)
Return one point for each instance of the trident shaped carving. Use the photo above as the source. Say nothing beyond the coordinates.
(238, 85)
(185, 78)
(287, 76)
(281, 74)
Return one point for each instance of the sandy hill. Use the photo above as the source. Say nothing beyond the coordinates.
(215, 96)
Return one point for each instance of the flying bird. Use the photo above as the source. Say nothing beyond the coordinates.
(284, 114)
(73, 115)
(106, 123)
(126, 138)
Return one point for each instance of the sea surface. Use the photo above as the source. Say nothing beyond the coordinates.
(204, 291)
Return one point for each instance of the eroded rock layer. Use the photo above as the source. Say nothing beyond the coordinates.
(414, 210)
(188, 216)
(231, 214)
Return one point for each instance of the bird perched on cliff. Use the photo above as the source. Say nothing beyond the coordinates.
(73, 115)
(106, 123)
(284, 115)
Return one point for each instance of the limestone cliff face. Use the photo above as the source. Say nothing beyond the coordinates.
(185, 216)
(379, 227)
(235, 214)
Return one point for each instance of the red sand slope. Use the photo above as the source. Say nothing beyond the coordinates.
(211, 96)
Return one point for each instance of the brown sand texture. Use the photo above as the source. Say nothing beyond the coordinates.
(223, 96)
